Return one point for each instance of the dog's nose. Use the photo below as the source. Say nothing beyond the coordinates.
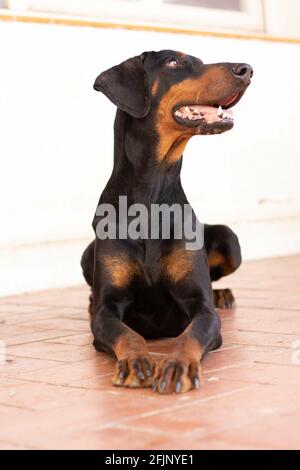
(243, 71)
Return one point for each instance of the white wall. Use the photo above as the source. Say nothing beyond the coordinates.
(56, 146)
(282, 17)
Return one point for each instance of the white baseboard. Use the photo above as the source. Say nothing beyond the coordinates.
(41, 266)
(271, 238)
(52, 265)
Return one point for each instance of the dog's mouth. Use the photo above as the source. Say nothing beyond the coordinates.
(213, 119)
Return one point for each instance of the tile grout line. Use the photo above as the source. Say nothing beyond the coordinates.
(174, 408)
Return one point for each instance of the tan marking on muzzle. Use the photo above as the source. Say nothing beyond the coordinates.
(214, 83)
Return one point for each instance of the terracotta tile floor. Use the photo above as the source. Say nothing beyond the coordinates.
(55, 390)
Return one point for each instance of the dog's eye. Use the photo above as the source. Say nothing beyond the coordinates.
(173, 64)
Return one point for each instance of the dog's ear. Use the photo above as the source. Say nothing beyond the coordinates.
(126, 86)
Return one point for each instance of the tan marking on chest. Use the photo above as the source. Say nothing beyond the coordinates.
(178, 264)
(121, 269)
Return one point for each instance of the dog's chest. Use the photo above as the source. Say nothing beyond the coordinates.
(154, 313)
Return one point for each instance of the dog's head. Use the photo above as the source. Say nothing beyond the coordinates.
(183, 95)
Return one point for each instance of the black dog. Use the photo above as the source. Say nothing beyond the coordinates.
(151, 288)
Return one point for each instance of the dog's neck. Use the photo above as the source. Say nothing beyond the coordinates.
(142, 172)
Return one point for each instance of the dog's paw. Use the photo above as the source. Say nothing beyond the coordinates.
(177, 374)
(223, 298)
(135, 371)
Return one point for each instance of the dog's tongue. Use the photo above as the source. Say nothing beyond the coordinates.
(229, 100)
(209, 113)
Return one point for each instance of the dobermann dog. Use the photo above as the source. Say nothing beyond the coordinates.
(152, 288)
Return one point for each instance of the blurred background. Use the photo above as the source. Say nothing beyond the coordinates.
(56, 141)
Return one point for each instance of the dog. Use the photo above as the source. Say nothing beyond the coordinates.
(144, 288)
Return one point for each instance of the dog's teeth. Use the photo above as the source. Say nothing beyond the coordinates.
(220, 112)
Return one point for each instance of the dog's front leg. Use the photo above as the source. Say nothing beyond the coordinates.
(134, 367)
(181, 371)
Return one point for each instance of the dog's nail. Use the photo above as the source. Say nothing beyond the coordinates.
(140, 375)
(178, 387)
(196, 383)
(154, 386)
(149, 372)
(162, 386)
(122, 374)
